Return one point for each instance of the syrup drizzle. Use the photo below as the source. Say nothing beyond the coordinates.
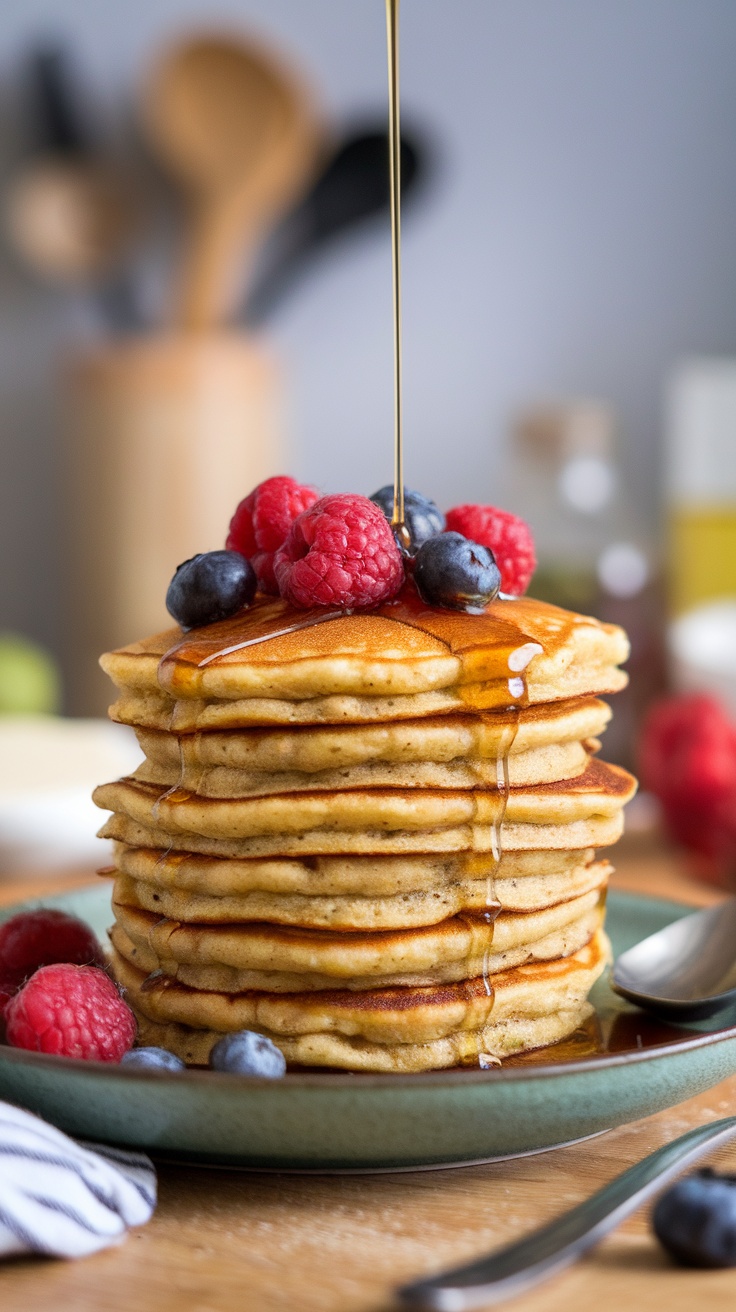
(278, 633)
(493, 906)
(179, 788)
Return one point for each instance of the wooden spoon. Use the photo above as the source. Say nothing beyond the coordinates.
(239, 133)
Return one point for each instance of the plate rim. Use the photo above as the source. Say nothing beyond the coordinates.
(357, 1080)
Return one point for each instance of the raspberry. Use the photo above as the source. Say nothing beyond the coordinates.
(72, 1011)
(688, 760)
(40, 938)
(262, 520)
(508, 537)
(340, 552)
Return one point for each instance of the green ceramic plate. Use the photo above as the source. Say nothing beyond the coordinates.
(628, 1068)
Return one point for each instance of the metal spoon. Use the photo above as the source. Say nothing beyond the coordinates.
(686, 971)
(511, 1270)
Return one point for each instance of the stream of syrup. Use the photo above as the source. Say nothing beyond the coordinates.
(394, 159)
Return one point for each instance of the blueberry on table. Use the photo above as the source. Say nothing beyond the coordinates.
(248, 1053)
(152, 1059)
(695, 1220)
(454, 572)
(210, 587)
(422, 517)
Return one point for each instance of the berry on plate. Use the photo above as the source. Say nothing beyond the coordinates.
(340, 552)
(152, 1059)
(248, 1053)
(262, 520)
(687, 758)
(72, 1011)
(695, 1220)
(451, 571)
(210, 587)
(508, 537)
(40, 938)
(422, 517)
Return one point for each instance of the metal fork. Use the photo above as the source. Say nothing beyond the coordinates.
(513, 1269)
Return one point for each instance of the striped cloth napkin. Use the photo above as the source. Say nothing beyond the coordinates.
(63, 1198)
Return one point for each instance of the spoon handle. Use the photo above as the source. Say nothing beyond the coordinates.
(515, 1268)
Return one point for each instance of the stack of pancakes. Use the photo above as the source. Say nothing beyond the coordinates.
(369, 836)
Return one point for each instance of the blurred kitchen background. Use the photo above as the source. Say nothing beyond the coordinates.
(195, 293)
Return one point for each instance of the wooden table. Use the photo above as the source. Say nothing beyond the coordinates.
(223, 1241)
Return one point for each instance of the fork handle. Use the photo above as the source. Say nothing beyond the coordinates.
(513, 1269)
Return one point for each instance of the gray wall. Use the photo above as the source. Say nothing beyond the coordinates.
(580, 236)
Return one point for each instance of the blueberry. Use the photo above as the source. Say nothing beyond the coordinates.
(422, 517)
(152, 1059)
(248, 1053)
(695, 1220)
(210, 587)
(452, 571)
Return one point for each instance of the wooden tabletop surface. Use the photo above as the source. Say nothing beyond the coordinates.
(222, 1241)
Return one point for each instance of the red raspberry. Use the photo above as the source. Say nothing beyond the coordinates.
(40, 938)
(688, 760)
(262, 520)
(341, 552)
(509, 538)
(72, 1011)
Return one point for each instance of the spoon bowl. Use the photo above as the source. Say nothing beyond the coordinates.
(686, 971)
(238, 131)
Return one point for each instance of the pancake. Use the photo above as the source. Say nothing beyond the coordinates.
(402, 660)
(152, 709)
(333, 876)
(385, 820)
(285, 959)
(596, 831)
(487, 1046)
(403, 1030)
(352, 911)
(223, 978)
(439, 740)
(541, 765)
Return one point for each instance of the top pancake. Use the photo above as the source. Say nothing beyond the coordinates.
(273, 664)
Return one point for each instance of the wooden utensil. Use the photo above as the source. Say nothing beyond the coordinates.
(164, 435)
(239, 133)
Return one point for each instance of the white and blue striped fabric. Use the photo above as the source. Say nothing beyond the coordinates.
(63, 1198)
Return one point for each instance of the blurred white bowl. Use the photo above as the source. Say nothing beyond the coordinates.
(702, 646)
(48, 768)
